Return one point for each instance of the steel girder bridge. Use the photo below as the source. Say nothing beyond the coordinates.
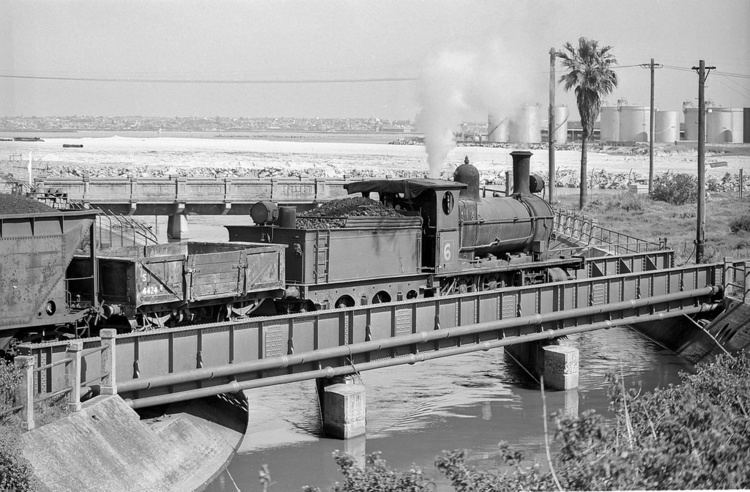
(158, 367)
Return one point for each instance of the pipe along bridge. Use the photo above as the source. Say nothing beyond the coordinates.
(158, 367)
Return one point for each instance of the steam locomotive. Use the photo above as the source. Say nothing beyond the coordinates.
(445, 239)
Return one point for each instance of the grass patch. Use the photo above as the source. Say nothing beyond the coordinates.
(678, 223)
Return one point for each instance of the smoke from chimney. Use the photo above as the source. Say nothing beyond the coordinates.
(458, 83)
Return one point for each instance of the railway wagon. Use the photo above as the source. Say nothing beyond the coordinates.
(36, 249)
(179, 283)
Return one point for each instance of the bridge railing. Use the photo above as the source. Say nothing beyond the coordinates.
(144, 355)
(194, 190)
(115, 230)
(737, 279)
(65, 374)
(584, 230)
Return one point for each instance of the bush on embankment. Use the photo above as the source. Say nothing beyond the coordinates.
(677, 189)
(15, 470)
(740, 224)
(695, 435)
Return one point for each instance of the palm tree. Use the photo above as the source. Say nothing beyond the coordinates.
(590, 73)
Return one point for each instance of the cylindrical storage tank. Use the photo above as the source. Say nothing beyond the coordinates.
(691, 123)
(666, 126)
(497, 128)
(561, 124)
(609, 125)
(525, 127)
(719, 125)
(634, 123)
(738, 127)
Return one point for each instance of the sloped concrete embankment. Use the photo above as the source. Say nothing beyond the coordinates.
(106, 446)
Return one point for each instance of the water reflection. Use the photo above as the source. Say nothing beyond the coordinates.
(414, 412)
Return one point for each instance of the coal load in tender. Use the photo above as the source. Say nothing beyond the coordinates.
(333, 214)
(15, 204)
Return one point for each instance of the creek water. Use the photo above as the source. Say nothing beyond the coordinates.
(415, 412)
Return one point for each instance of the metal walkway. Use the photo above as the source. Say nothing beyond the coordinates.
(161, 366)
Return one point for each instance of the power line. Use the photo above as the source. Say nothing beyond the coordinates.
(731, 74)
(715, 72)
(210, 81)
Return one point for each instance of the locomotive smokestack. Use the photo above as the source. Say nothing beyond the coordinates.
(521, 166)
(469, 175)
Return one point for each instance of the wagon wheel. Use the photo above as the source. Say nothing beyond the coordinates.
(237, 310)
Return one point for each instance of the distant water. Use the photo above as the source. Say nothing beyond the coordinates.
(333, 158)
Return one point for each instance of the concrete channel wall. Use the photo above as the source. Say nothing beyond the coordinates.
(106, 446)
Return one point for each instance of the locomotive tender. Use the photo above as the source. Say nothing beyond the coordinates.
(445, 239)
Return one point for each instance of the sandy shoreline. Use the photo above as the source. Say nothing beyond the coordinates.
(118, 156)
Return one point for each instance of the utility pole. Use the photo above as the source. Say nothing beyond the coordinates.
(701, 229)
(551, 127)
(652, 66)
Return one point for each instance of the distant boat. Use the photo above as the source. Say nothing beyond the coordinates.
(27, 139)
(75, 146)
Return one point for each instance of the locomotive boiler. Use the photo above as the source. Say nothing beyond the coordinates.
(435, 237)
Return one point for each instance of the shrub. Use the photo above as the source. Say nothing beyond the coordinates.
(15, 470)
(740, 224)
(677, 189)
(376, 476)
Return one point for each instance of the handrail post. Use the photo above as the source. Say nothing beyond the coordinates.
(74, 375)
(726, 282)
(109, 362)
(25, 389)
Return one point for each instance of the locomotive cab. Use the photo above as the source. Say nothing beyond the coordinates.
(435, 201)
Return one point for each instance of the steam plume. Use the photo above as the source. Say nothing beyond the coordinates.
(459, 81)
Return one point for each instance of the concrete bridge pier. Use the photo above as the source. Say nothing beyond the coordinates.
(177, 226)
(343, 406)
(558, 363)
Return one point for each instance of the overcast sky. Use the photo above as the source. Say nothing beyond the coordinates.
(296, 41)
